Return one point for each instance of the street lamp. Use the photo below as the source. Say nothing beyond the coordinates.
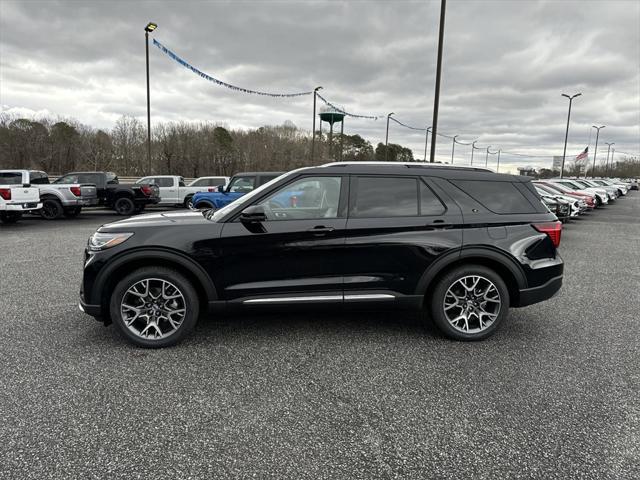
(566, 135)
(613, 152)
(386, 141)
(149, 28)
(436, 96)
(473, 147)
(426, 141)
(486, 159)
(313, 136)
(595, 150)
(453, 147)
(606, 165)
(498, 165)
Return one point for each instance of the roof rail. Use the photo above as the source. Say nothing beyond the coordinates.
(409, 165)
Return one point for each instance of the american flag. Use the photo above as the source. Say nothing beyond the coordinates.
(583, 155)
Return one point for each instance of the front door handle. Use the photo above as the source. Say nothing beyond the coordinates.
(321, 230)
(438, 224)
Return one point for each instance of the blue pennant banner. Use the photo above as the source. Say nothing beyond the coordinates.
(185, 64)
(327, 102)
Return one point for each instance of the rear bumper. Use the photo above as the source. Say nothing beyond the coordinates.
(529, 296)
(21, 207)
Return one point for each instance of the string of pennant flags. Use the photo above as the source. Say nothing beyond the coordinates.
(236, 88)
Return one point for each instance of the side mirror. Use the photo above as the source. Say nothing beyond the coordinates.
(220, 188)
(252, 218)
(253, 214)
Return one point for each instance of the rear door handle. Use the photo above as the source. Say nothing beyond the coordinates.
(321, 230)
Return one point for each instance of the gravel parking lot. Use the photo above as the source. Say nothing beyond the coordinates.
(554, 394)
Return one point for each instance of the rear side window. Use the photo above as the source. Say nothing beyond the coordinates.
(385, 197)
(499, 197)
(10, 178)
(38, 178)
(164, 182)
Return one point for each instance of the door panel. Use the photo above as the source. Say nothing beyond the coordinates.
(300, 249)
(293, 256)
(390, 253)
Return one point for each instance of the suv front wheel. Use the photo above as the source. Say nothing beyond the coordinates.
(154, 307)
(469, 303)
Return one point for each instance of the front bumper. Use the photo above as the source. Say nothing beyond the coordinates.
(529, 296)
(22, 207)
(93, 310)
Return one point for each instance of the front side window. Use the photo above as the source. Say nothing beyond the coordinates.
(385, 197)
(38, 178)
(242, 184)
(305, 199)
(164, 182)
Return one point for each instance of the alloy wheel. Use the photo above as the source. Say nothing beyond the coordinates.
(153, 308)
(472, 303)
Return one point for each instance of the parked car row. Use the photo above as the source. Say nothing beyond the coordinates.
(570, 197)
(31, 191)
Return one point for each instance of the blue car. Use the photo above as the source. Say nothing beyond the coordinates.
(239, 185)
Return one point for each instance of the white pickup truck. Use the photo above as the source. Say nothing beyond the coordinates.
(17, 196)
(173, 190)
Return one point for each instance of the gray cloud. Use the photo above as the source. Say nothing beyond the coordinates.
(505, 65)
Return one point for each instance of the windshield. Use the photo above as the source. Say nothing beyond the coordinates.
(245, 199)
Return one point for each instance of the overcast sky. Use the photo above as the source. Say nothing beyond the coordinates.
(505, 65)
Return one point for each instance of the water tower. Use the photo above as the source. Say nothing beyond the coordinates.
(331, 115)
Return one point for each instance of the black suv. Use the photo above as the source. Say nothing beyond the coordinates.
(460, 244)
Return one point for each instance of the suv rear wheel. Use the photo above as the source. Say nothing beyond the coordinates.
(154, 307)
(469, 303)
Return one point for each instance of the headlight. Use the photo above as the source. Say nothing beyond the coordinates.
(101, 241)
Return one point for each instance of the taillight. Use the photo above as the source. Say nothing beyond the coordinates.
(552, 229)
(76, 191)
(5, 193)
(146, 189)
(212, 189)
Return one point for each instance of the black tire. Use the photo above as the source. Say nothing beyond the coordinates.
(191, 305)
(437, 303)
(188, 202)
(204, 206)
(51, 209)
(124, 206)
(10, 217)
(72, 212)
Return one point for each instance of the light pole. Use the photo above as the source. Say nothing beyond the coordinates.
(313, 136)
(486, 159)
(386, 140)
(606, 165)
(436, 97)
(473, 147)
(149, 28)
(613, 152)
(498, 166)
(453, 147)
(595, 150)
(426, 142)
(566, 135)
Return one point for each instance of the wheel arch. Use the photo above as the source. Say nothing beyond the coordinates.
(121, 266)
(501, 263)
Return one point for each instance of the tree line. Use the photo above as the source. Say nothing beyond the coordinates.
(190, 149)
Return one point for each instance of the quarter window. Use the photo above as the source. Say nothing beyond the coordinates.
(305, 199)
(499, 197)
